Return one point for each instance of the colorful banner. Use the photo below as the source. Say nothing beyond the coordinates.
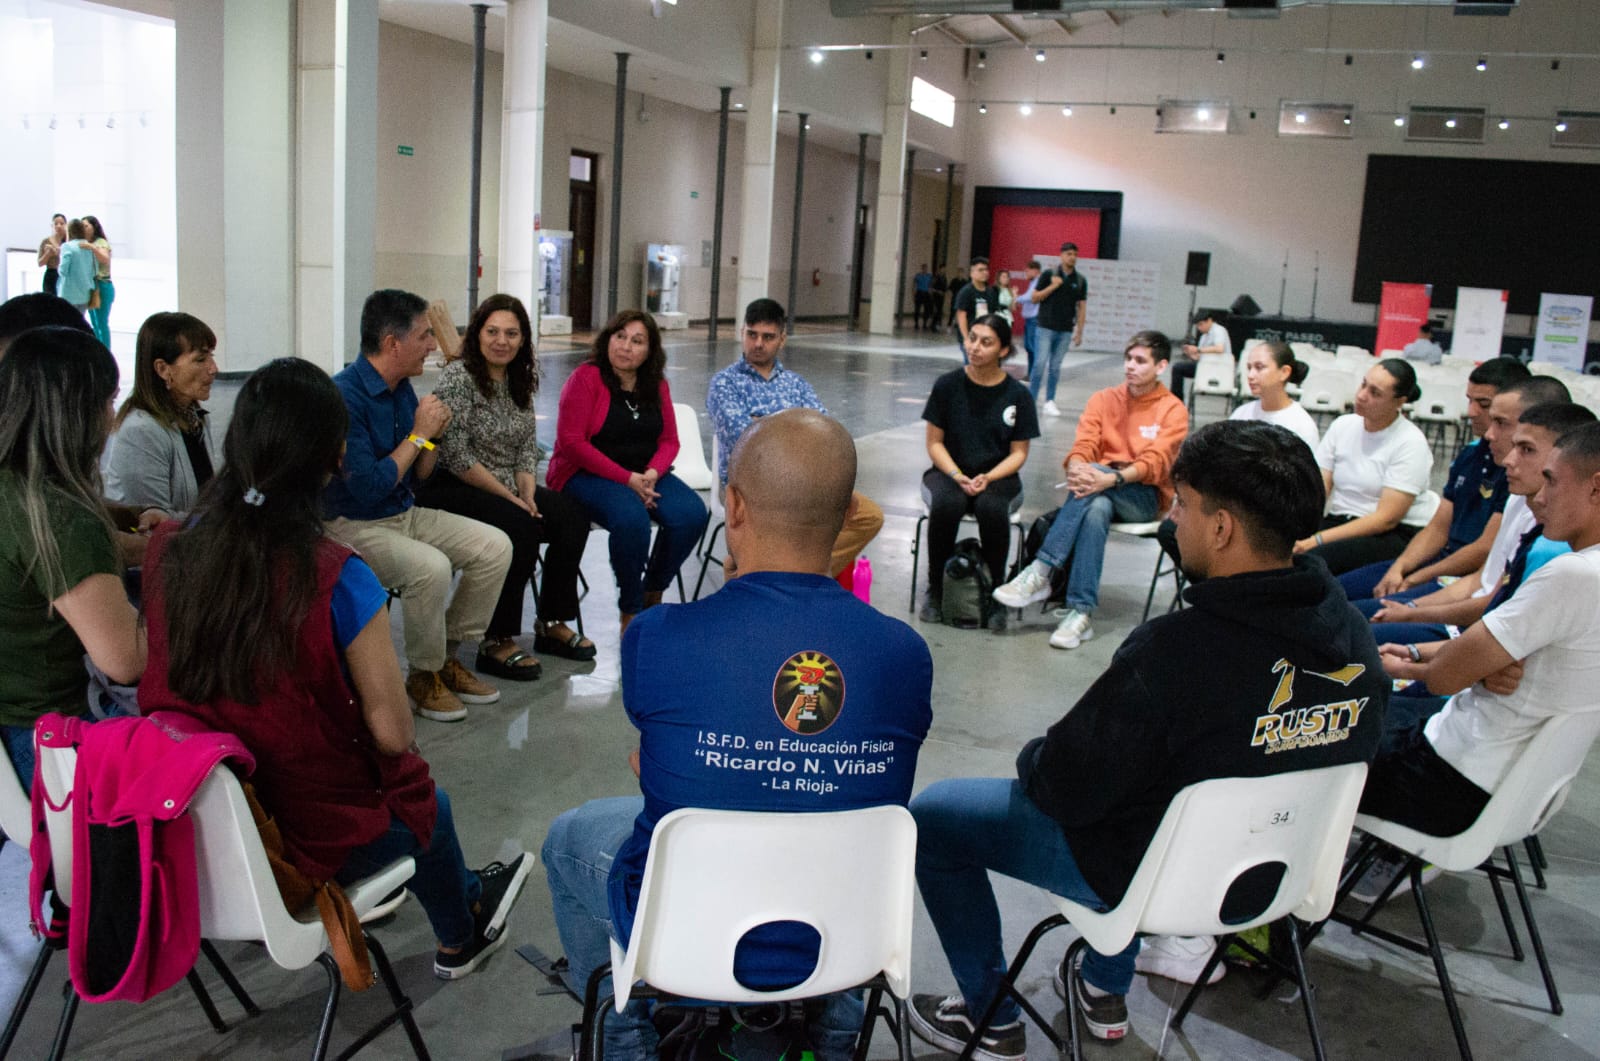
(1403, 310)
(1480, 322)
(1562, 332)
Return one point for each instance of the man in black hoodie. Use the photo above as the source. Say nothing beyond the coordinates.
(1270, 670)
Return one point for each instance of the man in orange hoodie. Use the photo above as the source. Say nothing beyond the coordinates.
(1120, 466)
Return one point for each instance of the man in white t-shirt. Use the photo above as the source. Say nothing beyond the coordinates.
(1535, 657)
(1212, 338)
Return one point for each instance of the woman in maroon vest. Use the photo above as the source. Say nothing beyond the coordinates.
(261, 626)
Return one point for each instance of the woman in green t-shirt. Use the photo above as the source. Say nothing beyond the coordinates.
(60, 590)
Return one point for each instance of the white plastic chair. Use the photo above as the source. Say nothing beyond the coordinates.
(690, 467)
(1443, 405)
(1352, 352)
(16, 818)
(1163, 567)
(1214, 377)
(239, 899)
(713, 875)
(717, 523)
(1013, 517)
(1530, 794)
(1354, 360)
(1326, 391)
(1294, 826)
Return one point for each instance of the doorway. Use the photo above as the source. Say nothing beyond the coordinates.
(582, 195)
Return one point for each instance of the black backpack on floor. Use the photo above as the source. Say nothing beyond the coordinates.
(966, 599)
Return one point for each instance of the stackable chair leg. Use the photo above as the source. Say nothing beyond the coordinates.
(1537, 860)
(20, 1009)
(916, 561)
(401, 1013)
(1505, 910)
(232, 982)
(1437, 954)
(1306, 991)
(1533, 932)
(208, 1007)
(69, 1011)
(707, 559)
(330, 1006)
(1008, 987)
(1297, 972)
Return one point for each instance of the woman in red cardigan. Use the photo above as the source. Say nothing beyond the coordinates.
(616, 439)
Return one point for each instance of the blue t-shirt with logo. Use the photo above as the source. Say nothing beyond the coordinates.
(1476, 488)
(779, 692)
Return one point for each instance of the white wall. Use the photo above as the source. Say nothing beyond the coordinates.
(1248, 196)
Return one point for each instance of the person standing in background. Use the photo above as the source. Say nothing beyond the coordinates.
(75, 280)
(50, 252)
(1062, 295)
(921, 296)
(100, 316)
(936, 295)
(1028, 313)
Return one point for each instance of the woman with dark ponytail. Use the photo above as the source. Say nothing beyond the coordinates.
(1269, 367)
(262, 626)
(1375, 470)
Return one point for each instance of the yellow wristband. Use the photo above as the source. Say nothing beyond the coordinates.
(419, 442)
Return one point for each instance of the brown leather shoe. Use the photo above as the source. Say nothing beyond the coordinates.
(466, 685)
(433, 700)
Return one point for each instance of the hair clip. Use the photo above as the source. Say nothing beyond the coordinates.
(255, 497)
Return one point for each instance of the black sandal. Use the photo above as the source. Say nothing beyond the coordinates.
(509, 668)
(572, 648)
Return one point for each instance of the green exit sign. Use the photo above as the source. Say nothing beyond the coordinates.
(405, 149)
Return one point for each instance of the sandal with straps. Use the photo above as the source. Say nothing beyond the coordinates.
(567, 648)
(513, 668)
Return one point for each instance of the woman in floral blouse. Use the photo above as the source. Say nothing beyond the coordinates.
(487, 463)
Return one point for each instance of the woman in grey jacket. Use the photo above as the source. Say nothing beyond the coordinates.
(162, 452)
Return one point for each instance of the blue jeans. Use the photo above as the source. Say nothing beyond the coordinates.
(100, 319)
(640, 569)
(1409, 633)
(1030, 340)
(443, 885)
(24, 759)
(1051, 348)
(1368, 605)
(971, 825)
(1081, 529)
(577, 857)
(1360, 584)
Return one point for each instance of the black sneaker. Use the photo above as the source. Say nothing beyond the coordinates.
(942, 1021)
(1106, 1016)
(502, 884)
(932, 611)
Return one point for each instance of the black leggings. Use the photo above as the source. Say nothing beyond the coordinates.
(948, 504)
(561, 522)
(1351, 553)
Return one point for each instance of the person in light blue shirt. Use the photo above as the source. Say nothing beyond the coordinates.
(759, 385)
(76, 280)
(1028, 309)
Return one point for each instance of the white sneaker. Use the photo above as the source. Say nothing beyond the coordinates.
(1051, 410)
(1180, 958)
(1031, 584)
(1072, 631)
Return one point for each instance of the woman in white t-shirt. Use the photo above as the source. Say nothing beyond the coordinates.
(1269, 368)
(1375, 469)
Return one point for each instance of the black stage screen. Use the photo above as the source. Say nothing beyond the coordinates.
(1527, 227)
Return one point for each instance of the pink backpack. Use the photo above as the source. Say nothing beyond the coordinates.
(134, 928)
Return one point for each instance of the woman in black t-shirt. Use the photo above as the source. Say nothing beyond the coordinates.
(980, 421)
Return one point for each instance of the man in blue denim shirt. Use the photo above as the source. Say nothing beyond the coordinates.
(371, 507)
(759, 385)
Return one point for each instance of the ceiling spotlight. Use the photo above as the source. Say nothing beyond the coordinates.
(808, 127)
(1222, 57)
(1025, 110)
(1204, 114)
(25, 122)
(869, 55)
(1416, 62)
(938, 169)
(83, 122)
(1561, 127)
(52, 121)
(922, 54)
(1504, 125)
(1113, 109)
(1038, 56)
(1399, 119)
(1483, 64)
(1449, 123)
(738, 106)
(1299, 117)
(111, 121)
(816, 55)
(1555, 64)
(1252, 115)
(983, 108)
(1349, 60)
(144, 119)
(1066, 112)
(983, 59)
(1347, 119)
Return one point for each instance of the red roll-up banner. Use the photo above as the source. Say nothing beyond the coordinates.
(1404, 309)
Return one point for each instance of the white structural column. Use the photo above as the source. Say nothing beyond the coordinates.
(522, 150)
(336, 170)
(886, 264)
(235, 145)
(760, 152)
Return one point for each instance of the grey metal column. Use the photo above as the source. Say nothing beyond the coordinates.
(949, 192)
(614, 265)
(857, 247)
(716, 225)
(480, 12)
(905, 237)
(794, 235)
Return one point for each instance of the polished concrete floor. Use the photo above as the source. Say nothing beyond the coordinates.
(511, 767)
